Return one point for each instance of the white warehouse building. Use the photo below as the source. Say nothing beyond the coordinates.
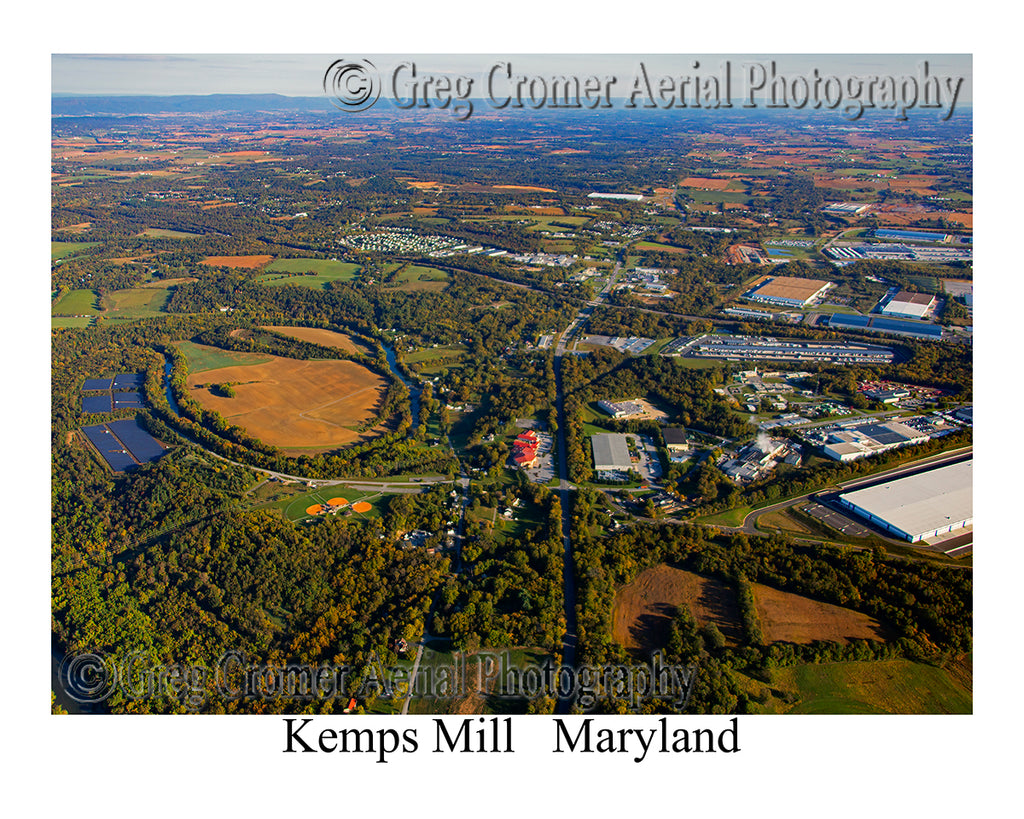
(920, 506)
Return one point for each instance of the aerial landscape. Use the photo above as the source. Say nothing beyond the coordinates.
(396, 411)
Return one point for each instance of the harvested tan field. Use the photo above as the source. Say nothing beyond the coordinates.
(294, 404)
(237, 261)
(644, 609)
(794, 619)
(328, 338)
(704, 184)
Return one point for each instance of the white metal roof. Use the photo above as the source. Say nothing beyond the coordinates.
(611, 451)
(923, 502)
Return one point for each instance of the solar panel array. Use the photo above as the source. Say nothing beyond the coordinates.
(126, 381)
(112, 450)
(139, 442)
(123, 444)
(128, 400)
(121, 392)
(96, 403)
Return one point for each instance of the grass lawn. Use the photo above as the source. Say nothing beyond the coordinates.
(61, 250)
(78, 302)
(324, 270)
(200, 357)
(730, 517)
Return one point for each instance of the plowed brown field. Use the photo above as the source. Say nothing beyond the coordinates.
(644, 609)
(795, 619)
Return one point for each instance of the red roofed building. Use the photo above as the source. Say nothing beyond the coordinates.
(524, 449)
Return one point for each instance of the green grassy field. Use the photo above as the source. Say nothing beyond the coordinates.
(201, 358)
(868, 687)
(71, 321)
(659, 246)
(78, 302)
(730, 517)
(163, 233)
(431, 353)
(326, 271)
(61, 250)
(138, 302)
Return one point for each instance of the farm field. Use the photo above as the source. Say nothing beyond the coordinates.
(296, 271)
(244, 262)
(317, 335)
(792, 618)
(202, 357)
(309, 405)
(61, 250)
(644, 609)
(871, 687)
(137, 302)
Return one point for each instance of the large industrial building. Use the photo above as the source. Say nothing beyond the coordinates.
(890, 326)
(921, 506)
(789, 291)
(622, 409)
(611, 453)
(855, 441)
(909, 305)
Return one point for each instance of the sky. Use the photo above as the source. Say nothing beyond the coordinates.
(302, 74)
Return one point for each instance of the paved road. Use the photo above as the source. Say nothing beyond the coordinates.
(570, 639)
(412, 674)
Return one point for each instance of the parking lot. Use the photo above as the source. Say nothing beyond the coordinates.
(837, 520)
